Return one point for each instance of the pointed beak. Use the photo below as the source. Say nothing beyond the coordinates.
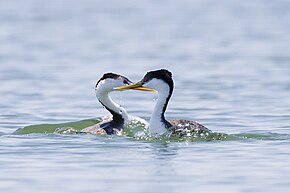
(136, 86)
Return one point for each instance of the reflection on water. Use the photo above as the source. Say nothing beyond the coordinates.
(230, 64)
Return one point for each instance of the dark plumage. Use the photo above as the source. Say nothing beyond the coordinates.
(161, 80)
(104, 86)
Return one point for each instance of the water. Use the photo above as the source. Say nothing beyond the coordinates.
(230, 61)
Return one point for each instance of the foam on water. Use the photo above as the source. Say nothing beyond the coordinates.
(137, 129)
(230, 64)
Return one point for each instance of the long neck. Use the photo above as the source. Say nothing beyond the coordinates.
(158, 123)
(119, 113)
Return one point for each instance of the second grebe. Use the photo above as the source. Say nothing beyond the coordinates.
(161, 80)
(116, 123)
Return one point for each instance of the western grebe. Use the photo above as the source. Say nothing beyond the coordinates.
(116, 123)
(162, 82)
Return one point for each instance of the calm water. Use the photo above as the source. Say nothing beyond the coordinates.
(231, 66)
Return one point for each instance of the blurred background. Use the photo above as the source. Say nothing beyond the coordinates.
(230, 59)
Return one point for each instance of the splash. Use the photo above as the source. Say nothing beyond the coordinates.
(137, 129)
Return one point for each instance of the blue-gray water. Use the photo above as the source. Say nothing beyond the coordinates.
(230, 62)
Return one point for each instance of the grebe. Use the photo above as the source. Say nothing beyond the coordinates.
(162, 82)
(116, 123)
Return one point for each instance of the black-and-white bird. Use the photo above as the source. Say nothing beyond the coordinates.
(115, 123)
(162, 82)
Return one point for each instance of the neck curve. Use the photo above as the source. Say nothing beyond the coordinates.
(119, 114)
(158, 123)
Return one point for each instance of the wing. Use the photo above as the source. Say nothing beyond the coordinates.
(188, 128)
(95, 130)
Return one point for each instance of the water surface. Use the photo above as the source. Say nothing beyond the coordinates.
(230, 62)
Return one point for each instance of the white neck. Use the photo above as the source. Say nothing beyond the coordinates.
(106, 100)
(156, 125)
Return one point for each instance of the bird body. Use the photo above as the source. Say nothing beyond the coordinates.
(119, 116)
(162, 82)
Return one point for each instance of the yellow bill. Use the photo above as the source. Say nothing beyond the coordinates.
(145, 89)
(136, 86)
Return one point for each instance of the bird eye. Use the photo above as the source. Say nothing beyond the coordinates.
(145, 79)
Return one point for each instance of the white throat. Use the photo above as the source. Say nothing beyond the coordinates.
(106, 100)
(156, 125)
